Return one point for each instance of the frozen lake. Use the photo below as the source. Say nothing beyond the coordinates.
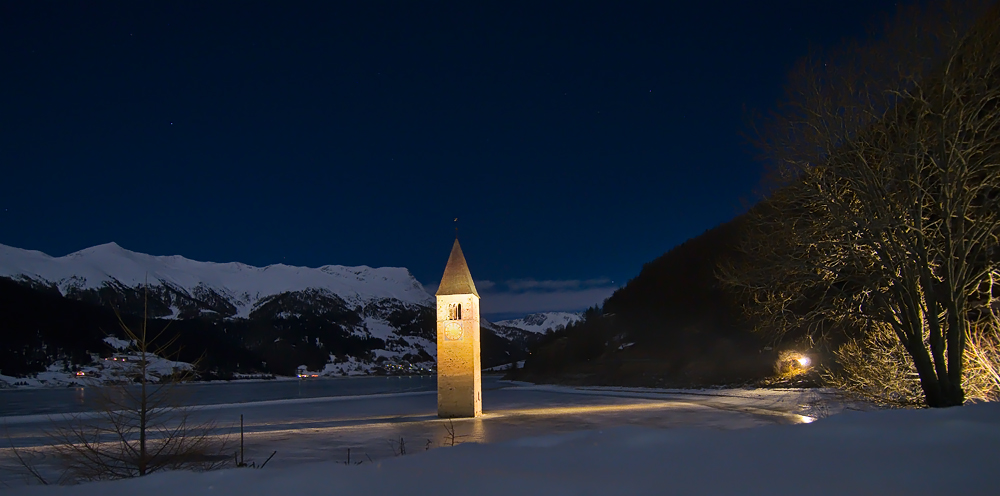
(551, 440)
(319, 420)
(25, 401)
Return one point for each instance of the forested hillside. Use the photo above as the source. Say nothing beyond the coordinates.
(672, 325)
(39, 327)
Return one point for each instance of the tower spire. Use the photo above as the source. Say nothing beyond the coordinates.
(456, 279)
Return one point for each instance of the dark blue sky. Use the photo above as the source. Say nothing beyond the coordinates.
(575, 141)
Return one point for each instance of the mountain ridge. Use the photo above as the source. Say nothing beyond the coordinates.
(243, 285)
(542, 321)
(334, 319)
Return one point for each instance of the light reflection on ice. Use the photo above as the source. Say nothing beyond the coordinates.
(324, 428)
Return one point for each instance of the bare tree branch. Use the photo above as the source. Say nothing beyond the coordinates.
(887, 217)
(140, 426)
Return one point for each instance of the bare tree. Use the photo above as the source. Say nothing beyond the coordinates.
(140, 426)
(886, 215)
(876, 367)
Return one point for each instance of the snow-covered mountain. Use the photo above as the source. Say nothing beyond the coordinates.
(245, 288)
(540, 322)
(334, 319)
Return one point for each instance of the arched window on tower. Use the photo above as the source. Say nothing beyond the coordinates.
(455, 311)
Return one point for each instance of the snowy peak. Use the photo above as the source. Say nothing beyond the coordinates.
(540, 322)
(111, 247)
(244, 285)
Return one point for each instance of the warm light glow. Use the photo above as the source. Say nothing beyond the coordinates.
(393, 422)
(792, 363)
(458, 356)
(583, 409)
(80, 373)
(475, 429)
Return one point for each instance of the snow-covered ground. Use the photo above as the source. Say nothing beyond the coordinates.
(891, 452)
(561, 440)
(121, 366)
(117, 368)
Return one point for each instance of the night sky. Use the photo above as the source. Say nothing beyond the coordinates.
(573, 141)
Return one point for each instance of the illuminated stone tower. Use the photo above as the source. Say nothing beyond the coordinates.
(460, 390)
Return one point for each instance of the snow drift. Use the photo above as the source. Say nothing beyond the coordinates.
(946, 451)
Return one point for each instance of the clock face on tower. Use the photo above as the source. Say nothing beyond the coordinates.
(453, 330)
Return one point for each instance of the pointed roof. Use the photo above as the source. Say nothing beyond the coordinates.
(456, 278)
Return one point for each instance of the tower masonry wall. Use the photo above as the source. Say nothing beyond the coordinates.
(458, 357)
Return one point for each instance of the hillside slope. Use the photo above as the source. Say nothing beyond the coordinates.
(670, 325)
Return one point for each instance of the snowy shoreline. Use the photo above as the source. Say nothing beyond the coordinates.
(550, 439)
(930, 451)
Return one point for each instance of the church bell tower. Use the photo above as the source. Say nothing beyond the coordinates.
(459, 369)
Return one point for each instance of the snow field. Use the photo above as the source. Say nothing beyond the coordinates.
(951, 451)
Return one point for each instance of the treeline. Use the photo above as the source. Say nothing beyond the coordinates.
(40, 327)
